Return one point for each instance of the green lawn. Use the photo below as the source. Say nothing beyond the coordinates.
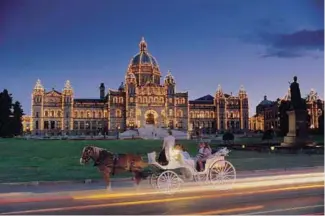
(32, 160)
(253, 140)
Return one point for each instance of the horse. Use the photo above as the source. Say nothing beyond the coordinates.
(109, 163)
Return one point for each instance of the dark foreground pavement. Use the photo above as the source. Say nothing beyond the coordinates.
(293, 199)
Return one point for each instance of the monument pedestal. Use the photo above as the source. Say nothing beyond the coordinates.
(298, 133)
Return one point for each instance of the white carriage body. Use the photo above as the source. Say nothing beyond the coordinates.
(168, 181)
(178, 161)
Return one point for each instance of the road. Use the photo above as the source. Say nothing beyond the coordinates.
(265, 195)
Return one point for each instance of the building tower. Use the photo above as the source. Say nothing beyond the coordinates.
(130, 90)
(67, 105)
(102, 91)
(37, 108)
(220, 103)
(170, 88)
(244, 112)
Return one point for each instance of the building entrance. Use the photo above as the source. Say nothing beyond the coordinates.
(150, 118)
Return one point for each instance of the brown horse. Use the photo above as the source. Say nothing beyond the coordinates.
(109, 163)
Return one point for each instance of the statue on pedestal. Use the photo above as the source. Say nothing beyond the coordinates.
(297, 134)
(296, 100)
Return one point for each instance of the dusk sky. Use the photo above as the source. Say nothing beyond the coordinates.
(260, 44)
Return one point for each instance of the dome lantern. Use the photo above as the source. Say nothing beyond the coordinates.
(143, 45)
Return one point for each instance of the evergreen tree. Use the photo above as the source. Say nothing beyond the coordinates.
(5, 113)
(284, 119)
(321, 123)
(17, 126)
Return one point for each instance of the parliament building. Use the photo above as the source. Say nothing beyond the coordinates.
(141, 99)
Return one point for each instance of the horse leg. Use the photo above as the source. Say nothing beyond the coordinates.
(137, 179)
(107, 180)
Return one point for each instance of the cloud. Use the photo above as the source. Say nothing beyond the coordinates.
(293, 45)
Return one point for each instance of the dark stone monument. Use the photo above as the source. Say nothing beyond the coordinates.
(297, 115)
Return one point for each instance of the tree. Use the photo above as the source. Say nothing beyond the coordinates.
(227, 137)
(268, 135)
(284, 119)
(321, 123)
(5, 113)
(17, 126)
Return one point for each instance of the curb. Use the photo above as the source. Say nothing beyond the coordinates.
(91, 181)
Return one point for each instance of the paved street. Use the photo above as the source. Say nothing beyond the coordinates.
(279, 194)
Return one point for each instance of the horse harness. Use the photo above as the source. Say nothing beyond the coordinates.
(114, 158)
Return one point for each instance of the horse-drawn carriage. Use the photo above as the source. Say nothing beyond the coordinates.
(169, 178)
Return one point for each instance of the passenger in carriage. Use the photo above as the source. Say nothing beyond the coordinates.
(204, 153)
(186, 155)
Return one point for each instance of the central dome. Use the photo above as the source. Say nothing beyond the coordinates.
(143, 57)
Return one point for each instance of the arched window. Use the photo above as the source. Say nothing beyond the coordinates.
(82, 114)
(59, 113)
(52, 113)
(180, 113)
(121, 100)
(76, 114)
(206, 114)
(211, 114)
(88, 114)
(46, 113)
(183, 100)
(201, 114)
(99, 114)
(118, 113)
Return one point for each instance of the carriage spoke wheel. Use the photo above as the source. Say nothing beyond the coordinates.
(201, 178)
(168, 182)
(223, 174)
(153, 180)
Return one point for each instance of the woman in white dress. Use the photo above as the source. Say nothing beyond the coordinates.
(168, 145)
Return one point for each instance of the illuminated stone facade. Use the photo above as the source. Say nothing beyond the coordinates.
(141, 99)
(267, 111)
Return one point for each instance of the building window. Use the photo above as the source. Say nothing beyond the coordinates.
(81, 114)
(46, 113)
(37, 114)
(94, 114)
(100, 115)
(118, 113)
(46, 125)
(76, 114)
(52, 113)
(170, 112)
(82, 125)
(36, 125)
(75, 125)
(88, 114)
(59, 114)
(121, 100)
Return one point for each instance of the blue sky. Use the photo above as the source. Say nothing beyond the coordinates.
(260, 44)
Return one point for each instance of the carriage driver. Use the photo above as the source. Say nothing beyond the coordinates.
(168, 145)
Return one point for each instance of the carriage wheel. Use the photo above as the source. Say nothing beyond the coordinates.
(168, 182)
(153, 180)
(222, 173)
(201, 178)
